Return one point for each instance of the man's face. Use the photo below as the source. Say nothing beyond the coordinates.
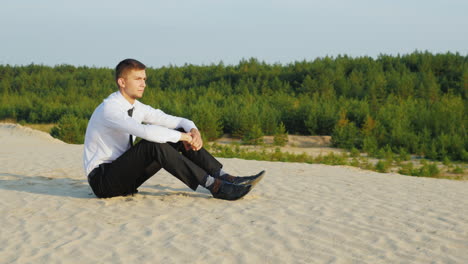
(133, 84)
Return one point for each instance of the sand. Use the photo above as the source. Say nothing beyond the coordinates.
(300, 213)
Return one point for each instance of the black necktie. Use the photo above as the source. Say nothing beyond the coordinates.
(130, 114)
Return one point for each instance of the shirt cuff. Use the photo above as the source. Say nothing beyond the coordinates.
(187, 125)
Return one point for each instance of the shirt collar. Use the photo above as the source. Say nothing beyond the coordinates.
(123, 102)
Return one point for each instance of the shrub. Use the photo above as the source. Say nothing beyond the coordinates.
(355, 163)
(385, 153)
(208, 119)
(355, 153)
(407, 169)
(458, 170)
(253, 136)
(382, 166)
(428, 170)
(70, 129)
(331, 159)
(346, 135)
(446, 161)
(370, 145)
(403, 154)
(281, 136)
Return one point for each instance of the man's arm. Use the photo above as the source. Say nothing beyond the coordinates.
(120, 121)
(158, 117)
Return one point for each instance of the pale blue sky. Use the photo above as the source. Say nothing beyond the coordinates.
(160, 33)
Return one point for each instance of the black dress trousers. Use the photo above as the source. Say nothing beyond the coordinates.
(124, 175)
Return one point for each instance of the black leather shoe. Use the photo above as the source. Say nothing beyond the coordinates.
(249, 180)
(228, 191)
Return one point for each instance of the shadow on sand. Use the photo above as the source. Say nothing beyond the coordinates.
(66, 187)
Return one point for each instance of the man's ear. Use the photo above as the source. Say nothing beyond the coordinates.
(121, 82)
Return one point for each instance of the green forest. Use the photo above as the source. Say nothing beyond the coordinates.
(414, 103)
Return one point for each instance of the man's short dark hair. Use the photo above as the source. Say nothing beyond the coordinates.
(127, 65)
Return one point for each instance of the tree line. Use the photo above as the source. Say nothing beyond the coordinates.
(413, 103)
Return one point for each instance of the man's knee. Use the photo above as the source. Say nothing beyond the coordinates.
(145, 142)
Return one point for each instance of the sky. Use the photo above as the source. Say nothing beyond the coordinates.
(100, 33)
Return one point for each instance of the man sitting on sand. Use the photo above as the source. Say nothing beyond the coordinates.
(116, 167)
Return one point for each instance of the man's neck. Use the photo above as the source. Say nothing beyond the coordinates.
(128, 98)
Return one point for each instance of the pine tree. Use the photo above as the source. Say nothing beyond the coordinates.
(281, 136)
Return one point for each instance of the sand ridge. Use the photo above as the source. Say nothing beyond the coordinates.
(300, 213)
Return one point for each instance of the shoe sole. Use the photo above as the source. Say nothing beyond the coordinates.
(247, 189)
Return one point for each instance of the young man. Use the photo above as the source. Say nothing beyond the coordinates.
(116, 167)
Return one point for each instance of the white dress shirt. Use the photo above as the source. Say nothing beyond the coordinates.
(107, 135)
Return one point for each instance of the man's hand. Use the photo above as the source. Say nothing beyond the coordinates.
(187, 145)
(197, 141)
(186, 138)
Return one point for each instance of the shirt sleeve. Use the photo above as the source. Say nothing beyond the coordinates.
(119, 120)
(158, 117)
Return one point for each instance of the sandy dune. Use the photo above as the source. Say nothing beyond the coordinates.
(300, 213)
